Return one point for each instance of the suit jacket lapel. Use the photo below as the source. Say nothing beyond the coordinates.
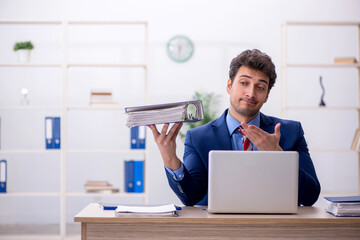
(266, 123)
(221, 132)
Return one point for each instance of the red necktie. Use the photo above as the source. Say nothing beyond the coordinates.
(246, 142)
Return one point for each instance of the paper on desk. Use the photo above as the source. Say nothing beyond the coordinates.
(170, 208)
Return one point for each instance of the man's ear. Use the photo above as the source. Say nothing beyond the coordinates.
(228, 86)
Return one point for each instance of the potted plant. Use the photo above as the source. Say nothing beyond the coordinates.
(23, 49)
(208, 101)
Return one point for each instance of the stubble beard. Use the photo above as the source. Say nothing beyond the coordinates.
(246, 112)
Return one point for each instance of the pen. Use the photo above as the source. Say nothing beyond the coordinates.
(109, 207)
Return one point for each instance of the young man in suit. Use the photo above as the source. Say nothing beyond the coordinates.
(251, 77)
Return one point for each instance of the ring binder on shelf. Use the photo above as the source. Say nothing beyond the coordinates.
(52, 132)
(3, 176)
(137, 135)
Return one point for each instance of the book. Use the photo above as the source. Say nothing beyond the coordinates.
(102, 98)
(190, 111)
(345, 60)
(97, 183)
(163, 210)
(356, 140)
(347, 206)
(100, 187)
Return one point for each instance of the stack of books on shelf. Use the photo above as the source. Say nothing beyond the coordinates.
(100, 187)
(345, 60)
(101, 98)
(348, 206)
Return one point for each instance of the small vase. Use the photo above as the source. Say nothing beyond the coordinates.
(23, 55)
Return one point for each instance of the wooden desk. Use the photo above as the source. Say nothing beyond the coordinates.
(195, 223)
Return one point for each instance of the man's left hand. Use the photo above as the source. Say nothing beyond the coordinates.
(262, 140)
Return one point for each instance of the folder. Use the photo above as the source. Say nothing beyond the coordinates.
(190, 111)
(52, 132)
(3, 176)
(56, 132)
(142, 137)
(49, 132)
(129, 176)
(138, 176)
(137, 137)
(134, 132)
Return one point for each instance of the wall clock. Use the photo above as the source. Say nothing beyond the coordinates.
(180, 48)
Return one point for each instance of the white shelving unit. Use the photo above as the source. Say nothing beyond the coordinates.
(323, 61)
(65, 65)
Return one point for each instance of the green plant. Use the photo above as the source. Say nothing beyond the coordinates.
(23, 45)
(208, 102)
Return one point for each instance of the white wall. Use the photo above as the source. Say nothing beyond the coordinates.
(220, 30)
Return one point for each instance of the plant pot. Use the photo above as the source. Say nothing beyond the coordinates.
(23, 55)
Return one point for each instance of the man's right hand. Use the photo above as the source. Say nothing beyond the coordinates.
(167, 144)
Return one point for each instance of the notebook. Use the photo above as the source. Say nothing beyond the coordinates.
(253, 181)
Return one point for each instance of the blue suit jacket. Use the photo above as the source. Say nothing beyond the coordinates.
(192, 189)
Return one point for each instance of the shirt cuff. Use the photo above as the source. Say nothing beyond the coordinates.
(177, 175)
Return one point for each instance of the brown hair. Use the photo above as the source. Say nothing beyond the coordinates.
(254, 59)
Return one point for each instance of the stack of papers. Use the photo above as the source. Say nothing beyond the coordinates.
(190, 111)
(164, 210)
(348, 206)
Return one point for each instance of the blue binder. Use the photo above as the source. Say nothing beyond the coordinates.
(3, 176)
(56, 132)
(138, 176)
(137, 137)
(52, 132)
(129, 176)
(49, 132)
(141, 137)
(134, 132)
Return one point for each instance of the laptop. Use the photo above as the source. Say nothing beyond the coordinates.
(253, 182)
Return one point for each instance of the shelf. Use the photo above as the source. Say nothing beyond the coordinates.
(64, 66)
(88, 107)
(73, 65)
(106, 65)
(289, 50)
(31, 108)
(357, 65)
(30, 194)
(120, 194)
(107, 22)
(30, 150)
(30, 65)
(312, 108)
(107, 151)
(323, 23)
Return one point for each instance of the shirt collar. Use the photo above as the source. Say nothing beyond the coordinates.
(233, 124)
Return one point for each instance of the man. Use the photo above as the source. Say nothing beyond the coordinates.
(252, 75)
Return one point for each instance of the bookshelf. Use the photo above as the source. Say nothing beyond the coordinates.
(305, 62)
(63, 60)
